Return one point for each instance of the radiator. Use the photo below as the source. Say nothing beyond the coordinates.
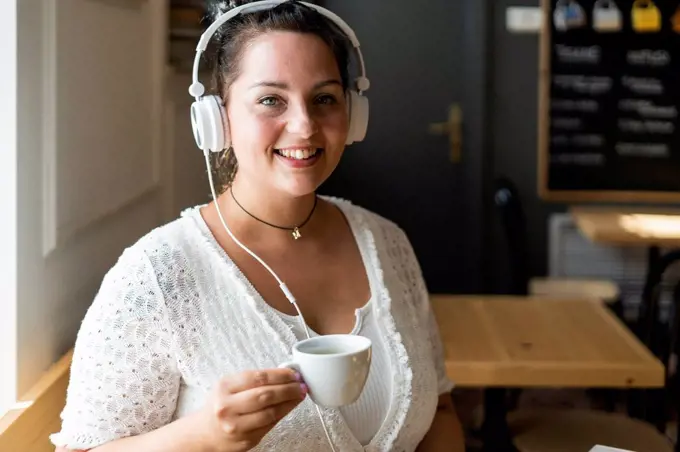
(571, 254)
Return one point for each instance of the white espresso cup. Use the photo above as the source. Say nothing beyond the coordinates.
(334, 367)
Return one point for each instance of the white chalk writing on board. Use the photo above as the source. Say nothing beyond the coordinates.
(588, 140)
(648, 57)
(649, 109)
(583, 140)
(569, 54)
(583, 84)
(582, 159)
(584, 105)
(567, 123)
(657, 150)
(643, 85)
(647, 126)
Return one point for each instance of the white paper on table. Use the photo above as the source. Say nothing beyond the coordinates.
(608, 449)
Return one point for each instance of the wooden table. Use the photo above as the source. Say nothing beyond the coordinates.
(497, 342)
(629, 226)
(508, 341)
(653, 228)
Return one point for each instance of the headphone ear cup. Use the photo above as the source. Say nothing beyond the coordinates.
(357, 106)
(209, 123)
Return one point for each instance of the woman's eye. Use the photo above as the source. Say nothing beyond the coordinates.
(326, 99)
(269, 101)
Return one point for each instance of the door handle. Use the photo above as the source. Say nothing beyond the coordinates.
(453, 127)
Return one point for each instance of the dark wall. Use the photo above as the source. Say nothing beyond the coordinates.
(511, 107)
(513, 119)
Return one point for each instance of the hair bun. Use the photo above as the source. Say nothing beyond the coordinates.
(216, 8)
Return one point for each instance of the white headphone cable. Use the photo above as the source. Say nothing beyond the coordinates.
(282, 285)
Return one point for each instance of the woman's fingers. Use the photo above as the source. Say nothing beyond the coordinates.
(257, 378)
(265, 419)
(263, 397)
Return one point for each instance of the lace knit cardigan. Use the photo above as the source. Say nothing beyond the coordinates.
(175, 314)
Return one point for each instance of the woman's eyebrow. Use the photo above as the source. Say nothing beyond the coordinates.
(284, 86)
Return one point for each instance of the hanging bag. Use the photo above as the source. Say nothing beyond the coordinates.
(646, 16)
(607, 17)
(576, 16)
(568, 14)
(560, 15)
(675, 20)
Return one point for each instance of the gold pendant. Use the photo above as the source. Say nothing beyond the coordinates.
(296, 233)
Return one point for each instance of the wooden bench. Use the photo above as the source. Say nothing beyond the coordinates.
(27, 427)
(596, 289)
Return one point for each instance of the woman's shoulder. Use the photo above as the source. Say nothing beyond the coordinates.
(182, 235)
(180, 232)
(381, 226)
(168, 248)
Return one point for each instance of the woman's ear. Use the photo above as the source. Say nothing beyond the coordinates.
(225, 125)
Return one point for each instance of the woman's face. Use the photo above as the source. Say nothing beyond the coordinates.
(287, 113)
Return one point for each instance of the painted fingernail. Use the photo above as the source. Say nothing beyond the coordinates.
(298, 377)
(304, 389)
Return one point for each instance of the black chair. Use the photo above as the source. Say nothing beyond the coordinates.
(673, 382)
(663, 340)
(513, 222)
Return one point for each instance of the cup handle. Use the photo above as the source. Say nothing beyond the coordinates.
(290, 365)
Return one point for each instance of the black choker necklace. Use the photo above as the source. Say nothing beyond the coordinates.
(295, 230)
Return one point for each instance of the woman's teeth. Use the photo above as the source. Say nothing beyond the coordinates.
(297, 154)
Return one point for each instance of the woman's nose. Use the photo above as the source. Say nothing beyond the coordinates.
(301, 122)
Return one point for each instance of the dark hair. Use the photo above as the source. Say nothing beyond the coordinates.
(231, 40)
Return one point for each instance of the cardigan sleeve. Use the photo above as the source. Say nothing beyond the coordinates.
(404, 260)
(444, 384)
(420, 300)
(124, 380)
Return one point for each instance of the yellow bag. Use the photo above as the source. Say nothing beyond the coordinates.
(646, 16)
(675, 20)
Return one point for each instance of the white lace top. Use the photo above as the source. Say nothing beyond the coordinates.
(175, 314)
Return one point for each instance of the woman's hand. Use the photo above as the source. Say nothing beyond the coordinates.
(246, 406)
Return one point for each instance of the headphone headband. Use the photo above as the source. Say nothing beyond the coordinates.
(208, 117)
(197, 89)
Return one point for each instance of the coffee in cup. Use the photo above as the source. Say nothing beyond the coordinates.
(334, 367)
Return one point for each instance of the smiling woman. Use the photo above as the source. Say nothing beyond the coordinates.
(181, 349)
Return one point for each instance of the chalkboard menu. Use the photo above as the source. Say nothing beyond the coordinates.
(610, 101)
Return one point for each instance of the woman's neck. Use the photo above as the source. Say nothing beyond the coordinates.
(247, 208)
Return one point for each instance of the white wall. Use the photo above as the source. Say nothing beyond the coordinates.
(8, 198)
(91, 176)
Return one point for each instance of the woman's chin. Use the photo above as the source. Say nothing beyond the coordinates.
(300, 190)
(299, 185)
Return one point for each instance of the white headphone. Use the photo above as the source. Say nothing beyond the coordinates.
(208, 116)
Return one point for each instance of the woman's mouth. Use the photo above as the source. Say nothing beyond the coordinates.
(299, 158)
